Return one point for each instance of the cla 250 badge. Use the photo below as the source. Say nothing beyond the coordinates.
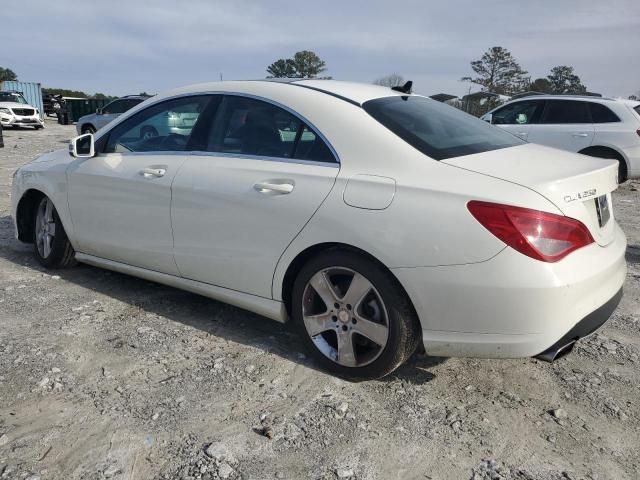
(580, 195)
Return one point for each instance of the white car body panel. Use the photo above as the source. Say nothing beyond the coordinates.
(137, 229)
(204, 227)
(249, 228)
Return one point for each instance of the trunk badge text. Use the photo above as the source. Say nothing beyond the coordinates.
(580, 195)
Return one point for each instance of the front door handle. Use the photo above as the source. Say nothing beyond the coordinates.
(274, 188)
(581, 134)
(153, 172)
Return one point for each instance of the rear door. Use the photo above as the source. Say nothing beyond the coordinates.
(516, 117)
(238, 205)
(564, 124)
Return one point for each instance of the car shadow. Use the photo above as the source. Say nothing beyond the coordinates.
(210, 316)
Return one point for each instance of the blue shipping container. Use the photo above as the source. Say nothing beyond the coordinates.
(32, 92)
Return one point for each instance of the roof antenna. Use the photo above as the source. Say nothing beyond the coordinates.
(406, 88)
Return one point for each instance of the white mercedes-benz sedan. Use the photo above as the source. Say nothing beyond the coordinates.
(374, 219)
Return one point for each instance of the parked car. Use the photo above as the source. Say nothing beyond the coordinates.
(94, 121)
(387, 220)
(15, 111)
(595, 126)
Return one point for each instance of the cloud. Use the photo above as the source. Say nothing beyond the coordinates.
(128, 46)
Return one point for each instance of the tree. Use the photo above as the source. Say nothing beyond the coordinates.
(283, 68)
(541, 85)
(7, 74)
(393, 80)
(304, 64)
(498, 72)
(563, 80)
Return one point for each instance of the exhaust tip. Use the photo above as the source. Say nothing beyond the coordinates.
(556, 352)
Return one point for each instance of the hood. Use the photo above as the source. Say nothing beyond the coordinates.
(572, 182)
(15, 105)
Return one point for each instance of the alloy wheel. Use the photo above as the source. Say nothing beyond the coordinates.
(46, 228)
(345, 316)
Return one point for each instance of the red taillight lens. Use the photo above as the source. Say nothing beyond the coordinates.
(540, 235)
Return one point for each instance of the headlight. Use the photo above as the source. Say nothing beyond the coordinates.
(37, 112)
(5, 110)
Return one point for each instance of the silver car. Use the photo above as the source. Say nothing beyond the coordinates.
(94, 121)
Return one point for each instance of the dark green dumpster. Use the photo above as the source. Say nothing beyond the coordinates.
(79, 107)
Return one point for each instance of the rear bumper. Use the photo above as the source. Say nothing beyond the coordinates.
(512, 305)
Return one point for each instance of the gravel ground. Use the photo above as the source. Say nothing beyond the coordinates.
(107, 376)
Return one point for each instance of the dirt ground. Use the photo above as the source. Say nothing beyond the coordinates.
(106, 376)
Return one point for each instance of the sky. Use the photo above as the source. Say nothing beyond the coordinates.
(126, 47)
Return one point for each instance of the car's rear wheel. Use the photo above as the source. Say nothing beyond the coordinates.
(52, 247)
(88, 129)
(355, 319)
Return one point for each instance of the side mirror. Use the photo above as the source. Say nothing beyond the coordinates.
(488, 117)
(82, 146)
(99, 111)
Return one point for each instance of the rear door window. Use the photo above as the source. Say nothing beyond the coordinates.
(565, 111)
(602, 114)
(248, 126)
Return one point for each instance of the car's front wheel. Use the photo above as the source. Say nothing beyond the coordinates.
(354, 317)
(52, 247)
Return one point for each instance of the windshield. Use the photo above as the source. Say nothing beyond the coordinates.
(12, 97)
(436, 129)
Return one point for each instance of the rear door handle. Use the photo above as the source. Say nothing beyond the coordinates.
(581, 134)
(153, 172)
(277, 188)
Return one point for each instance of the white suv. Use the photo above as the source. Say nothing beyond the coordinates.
(15, 111)
(595, 126)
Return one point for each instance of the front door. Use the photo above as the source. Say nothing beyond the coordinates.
(120, 200)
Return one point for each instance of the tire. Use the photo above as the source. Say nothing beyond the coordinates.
(339, 336)
(148, 132)
(50, 241)
(88, 129)
(38, 127)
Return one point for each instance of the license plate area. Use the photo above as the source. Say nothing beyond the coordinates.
(602, 208)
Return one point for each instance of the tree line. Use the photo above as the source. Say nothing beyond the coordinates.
(498, 71)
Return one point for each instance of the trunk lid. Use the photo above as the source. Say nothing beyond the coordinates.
(574, 183)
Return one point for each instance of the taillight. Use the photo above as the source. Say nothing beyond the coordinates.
(540, 235)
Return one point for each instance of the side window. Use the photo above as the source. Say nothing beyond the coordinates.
(252, 127)
(565, 111)
(311, 147)
(169, 126)
(602, 114)
(117, 106)
(130, 103)
(519, 113)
